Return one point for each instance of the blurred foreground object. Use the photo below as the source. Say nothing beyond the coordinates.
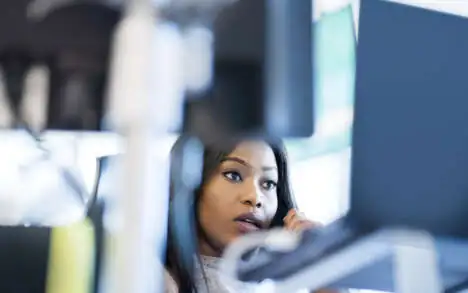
(41, 186)
(72, 257)
(53, 64)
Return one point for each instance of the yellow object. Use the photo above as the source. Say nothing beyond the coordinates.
(71, 259)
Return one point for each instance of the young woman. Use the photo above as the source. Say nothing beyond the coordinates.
(244, 188)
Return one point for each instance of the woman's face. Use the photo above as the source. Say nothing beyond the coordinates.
(240, 197)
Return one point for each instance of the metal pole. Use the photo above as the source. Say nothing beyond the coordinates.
(131, 110)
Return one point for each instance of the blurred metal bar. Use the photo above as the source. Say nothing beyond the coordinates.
(130, 94)
(414, 255)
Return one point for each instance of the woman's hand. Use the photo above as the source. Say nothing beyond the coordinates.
(297, 221)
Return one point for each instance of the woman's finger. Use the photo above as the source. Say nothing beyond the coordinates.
(302, 225)
(291, 213)
(296, 221)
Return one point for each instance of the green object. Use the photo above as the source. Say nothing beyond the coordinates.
(71, 260)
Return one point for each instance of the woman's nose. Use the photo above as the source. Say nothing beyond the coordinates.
(253, 203)
(252, 196)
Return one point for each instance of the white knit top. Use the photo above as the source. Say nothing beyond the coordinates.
(213, 283)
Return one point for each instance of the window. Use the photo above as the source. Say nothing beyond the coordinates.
(320, 169)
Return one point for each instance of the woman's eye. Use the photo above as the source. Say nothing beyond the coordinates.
(233, 176)
(269, 185)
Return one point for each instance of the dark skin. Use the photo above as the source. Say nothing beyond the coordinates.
(245, 182)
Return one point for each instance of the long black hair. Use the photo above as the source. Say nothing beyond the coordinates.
(183, 227)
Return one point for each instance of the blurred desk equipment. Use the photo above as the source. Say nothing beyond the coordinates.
(409, 193)
(67, 44)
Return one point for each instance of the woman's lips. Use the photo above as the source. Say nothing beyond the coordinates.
(246, 227)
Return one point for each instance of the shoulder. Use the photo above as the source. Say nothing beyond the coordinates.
(170, 286)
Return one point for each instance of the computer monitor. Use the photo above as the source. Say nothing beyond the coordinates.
(410, 136)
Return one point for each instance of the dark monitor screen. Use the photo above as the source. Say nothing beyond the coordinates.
(410, 136)
(263, 67)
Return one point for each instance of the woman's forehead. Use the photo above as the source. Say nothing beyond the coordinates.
(258, 154)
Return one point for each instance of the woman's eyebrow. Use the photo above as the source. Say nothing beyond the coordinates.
(243, 162)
